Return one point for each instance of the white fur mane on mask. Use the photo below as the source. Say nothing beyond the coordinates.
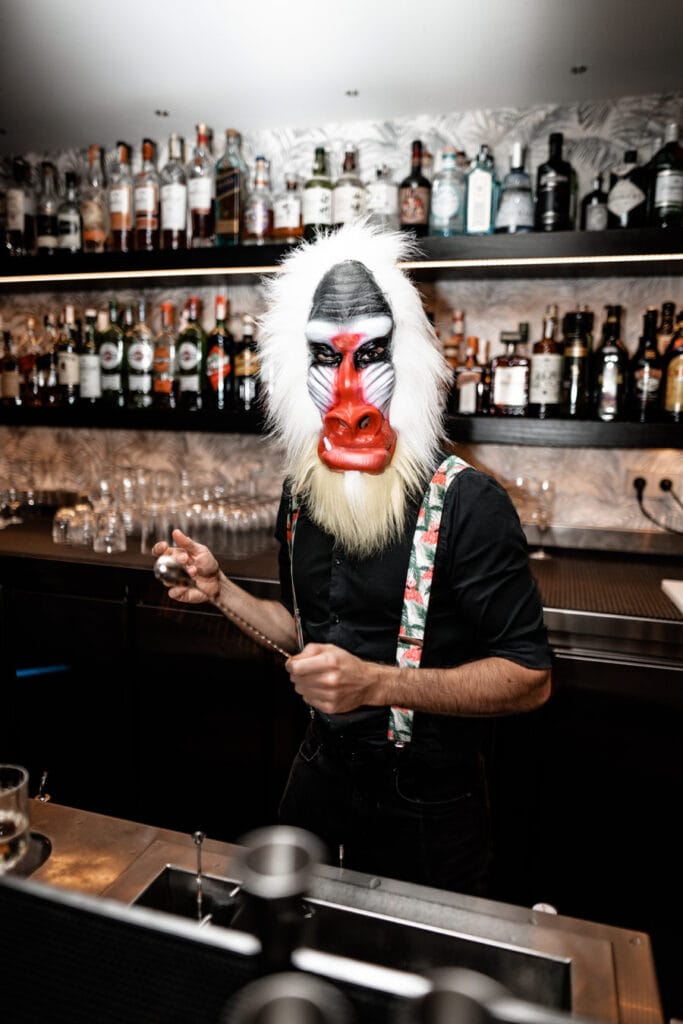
(417, 405)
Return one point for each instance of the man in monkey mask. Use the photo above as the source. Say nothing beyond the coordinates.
(406, 595)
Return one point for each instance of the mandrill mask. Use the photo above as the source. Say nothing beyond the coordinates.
(355, 383)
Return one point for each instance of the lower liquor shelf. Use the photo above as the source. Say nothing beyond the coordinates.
(207, 421)
(561, 433)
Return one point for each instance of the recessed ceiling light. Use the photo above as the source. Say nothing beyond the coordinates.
(161, 113)
(351, 92)
(578, 69)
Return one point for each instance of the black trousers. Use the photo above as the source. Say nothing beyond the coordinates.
(414, 813)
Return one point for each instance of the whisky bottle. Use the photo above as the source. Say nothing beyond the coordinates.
(173, 197)
(594, 213)
(47, 235)
(163, 367)
(139, 359)
(516, 205)
(627, 196)
(610, 370)
(348, 197)
(645, 374)
(94, 204)
(191, 358)
(382, 200)
(110, 347)
(665, 193)
(120, 201)
(288, 225)
(481, 194)
(146, 201)
(257, 225)
(89, 362)
(414, 196)
(555, 189)
(69, 217)
(452, 345)
(200, 191)
(20, 225)
(9, 374)
(218, 377)
(576, 396)
(468, 378)
(232, 179)
(68, 365)
(447, 207)
(510, 375)
(545, 380)
(672, 372)
(317, 198)
(246, 369)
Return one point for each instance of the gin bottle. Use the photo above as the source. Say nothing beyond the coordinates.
(447, 209)
(516, 207)
(555, 190)
(382, 200)
(480, 194)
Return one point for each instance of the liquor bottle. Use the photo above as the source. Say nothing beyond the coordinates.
(594, 212)
(139, 358)
(191, 358)
(173, 197)
(484, 388)
(163, 370)
(481, 193)
(94, 204)
(427, 164)
(348, 197)
(201, 189)
(545, 380)
(68, 368)
(120, 201)
(510, 375)
(257, 222)
(516, 205)
(665, 192)
(218, 377)
(232, 180)
(382, 200)
(146, 200)
(645, 374)
(467, 382)
(666, 327)
(414, 196)
(555, 190)
(89, 362)
(288, 224)
(452, 345)
(69, 217)
(317, 198)
(20, 224)
(576, 396)
(110, 350)
(47, 238)
(672, 374)
(47, 363)
(610, 370)
(627, 196)
(246, 370)
(27, 353)
(9, 374)
(447, 208)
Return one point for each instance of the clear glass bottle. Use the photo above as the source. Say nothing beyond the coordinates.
(94, 204)
(594, 212)
(415, 196)
(610, 370)
(47, 235)
(447, 208)
(665, 193)
(481, 193)
(173, 197)
(232, 181)
(576, 397)
(139, 360)
(120, 201)
(555, 189)
(510, 375)
(110, 349)
(69, 217)
(288, 224)
(546, 369)
(164, 367)
(247, 388)
(382, 200)
(191, 358)
(645, 374)
(47, 363)
(20, 198)
(146, 200)
(467, 381)
(348, 198)
(201, 188)
(257, 222)
(672, 373)
(68, 365)
(218, 377)
(28, 353)
(317, 198)
(89, 361)
(627, 194)
(515, 211)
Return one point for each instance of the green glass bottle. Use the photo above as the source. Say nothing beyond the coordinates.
(191, 358)
(110, 351)
(317, 198)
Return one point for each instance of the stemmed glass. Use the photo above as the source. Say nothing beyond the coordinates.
(534, 498)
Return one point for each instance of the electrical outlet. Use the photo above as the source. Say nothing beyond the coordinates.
(652, 490)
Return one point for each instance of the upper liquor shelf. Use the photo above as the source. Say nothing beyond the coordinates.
(558, 254)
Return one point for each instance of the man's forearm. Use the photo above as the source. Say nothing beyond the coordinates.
(270, 618)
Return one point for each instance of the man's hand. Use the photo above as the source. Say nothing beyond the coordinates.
(332, 680)
(199, 563)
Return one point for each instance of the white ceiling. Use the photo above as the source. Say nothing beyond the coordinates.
(77, 71)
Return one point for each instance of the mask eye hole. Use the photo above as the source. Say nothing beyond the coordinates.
(324, 355)
(375, 351)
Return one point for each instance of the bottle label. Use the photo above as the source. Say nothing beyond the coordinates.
(516, 211)
(446, 200)
(89, 371)
(163, 370)
(414, 205)
(46, 231)
(646, 382)
(467, 388)
(188, 355)
(121, 207)
(609, 383)
(228, 185)
(15, 209)
(94, 220)
(141, 382)
(173, 207)
(110, 356)
(287, 212)
(189, 382)
(545, 379)
(111, 381)
(257, 219)
(218, 366)
(68, 366)
(10, 383)
(140, 356)
(673, 394)
(596, 217)
(246, 363)
(624, 196)
(669, 188)
(147, 206)
(382, 198)
(69, 229)
(317, 205)
(510, 386)
(200, 194)
(348, 203)
(479, 202)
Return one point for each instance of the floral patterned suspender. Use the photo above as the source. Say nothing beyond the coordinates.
(417, 589)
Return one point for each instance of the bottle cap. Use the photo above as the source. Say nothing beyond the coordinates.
(517, 157)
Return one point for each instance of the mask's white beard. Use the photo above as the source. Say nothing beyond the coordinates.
(365, 512)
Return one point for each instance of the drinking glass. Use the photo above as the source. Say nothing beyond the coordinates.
(110, 531)
(14, 815)
(534, 498)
